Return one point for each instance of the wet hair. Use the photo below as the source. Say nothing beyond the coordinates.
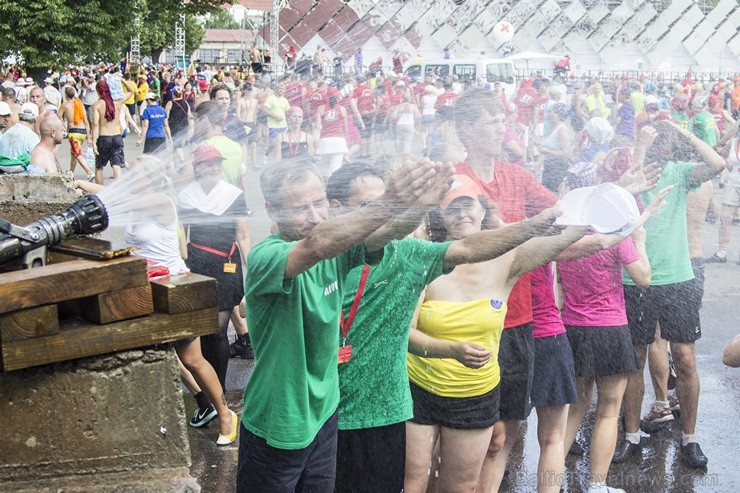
(211, 111)
(435, 226)
(69, 92)
(340, 182)
(274, 179)
(472, 104)
(388, 163)
(669, 145)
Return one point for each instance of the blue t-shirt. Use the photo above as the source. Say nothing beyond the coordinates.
(156, 116)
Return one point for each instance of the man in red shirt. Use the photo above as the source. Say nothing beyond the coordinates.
(314, 100)
(480, 122)
(446, 101)
(527, 100)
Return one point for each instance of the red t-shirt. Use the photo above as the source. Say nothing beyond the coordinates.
(518, 195)
(293, 94)
(526, 101)
(446, 99)
(332, 122)
(365, 99)
(315, 99)
(546, 321)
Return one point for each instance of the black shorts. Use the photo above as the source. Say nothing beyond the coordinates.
(458, 413)
(601, 351)
(697, 288)
(371, 459)
(675, 306)
(153, 145)
(516, 359)
(368, 121)
(131, 109)
(554, 381)
(379, 125)
(110, 150)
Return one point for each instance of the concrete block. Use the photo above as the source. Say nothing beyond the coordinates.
(26, 198)
(101, 422)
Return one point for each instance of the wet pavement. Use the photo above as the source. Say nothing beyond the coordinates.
(657, 470)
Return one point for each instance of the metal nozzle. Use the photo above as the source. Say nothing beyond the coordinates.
(86, 216)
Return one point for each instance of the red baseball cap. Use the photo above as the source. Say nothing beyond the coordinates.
(205, 153)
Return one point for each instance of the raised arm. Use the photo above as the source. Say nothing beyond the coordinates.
(493, 243)
(331, 237)
(713, 163)
(539, 251)
(639, 270)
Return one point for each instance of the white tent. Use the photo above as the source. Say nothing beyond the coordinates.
(532, 55)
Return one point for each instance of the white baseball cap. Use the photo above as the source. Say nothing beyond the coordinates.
(606, 208)
(5, 109)
(29, 109)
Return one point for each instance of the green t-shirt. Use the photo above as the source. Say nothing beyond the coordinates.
(682, 120)
(705, 127)
(231, 169)
(667, 245)
(294, 387)
(374, 384)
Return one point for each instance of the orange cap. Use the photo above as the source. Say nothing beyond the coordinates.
(462, 186)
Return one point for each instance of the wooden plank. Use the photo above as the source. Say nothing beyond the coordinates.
(93, 248)
(32, 322)
(83, 339)
(68, 281)
(184, 293)
(118, 305)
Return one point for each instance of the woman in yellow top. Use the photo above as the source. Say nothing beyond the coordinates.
(454, 379)
(141, 91)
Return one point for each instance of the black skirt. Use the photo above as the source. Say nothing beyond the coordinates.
(602, 351)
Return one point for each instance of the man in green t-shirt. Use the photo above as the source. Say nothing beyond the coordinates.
(293, 294)
(674, 296)
(374, 405)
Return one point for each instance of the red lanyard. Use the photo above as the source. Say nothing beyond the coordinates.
(294, 152)
(214, 251)
(346, 323)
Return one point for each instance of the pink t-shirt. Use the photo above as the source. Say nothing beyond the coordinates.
(546, 321)
(594, 296)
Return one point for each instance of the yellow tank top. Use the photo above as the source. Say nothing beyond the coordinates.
(479, 321)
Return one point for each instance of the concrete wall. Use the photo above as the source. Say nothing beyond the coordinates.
(26, 198)
(112, 423)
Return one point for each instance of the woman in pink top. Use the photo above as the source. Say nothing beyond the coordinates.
(596, 321)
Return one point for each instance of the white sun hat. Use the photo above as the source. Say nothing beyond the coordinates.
(606, 208)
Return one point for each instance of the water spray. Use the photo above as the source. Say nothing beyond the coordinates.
(87, 215)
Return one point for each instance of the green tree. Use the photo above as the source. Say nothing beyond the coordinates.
(221, 19)
(51, 33)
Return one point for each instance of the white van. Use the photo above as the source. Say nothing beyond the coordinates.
(467, 69)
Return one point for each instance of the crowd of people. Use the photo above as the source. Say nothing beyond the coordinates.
(416, 299)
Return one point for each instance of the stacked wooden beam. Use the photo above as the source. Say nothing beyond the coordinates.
(80, 308)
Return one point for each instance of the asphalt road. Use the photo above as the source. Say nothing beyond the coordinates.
(657, 470)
